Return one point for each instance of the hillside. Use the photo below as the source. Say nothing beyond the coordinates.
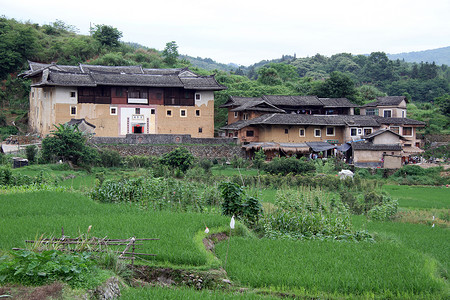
(440, 56)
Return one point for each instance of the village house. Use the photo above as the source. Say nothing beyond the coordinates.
(298, 125)
(113, 101)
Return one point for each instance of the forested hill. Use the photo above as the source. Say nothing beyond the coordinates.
(440, 56)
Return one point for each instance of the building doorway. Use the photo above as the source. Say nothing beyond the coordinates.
(138, 129)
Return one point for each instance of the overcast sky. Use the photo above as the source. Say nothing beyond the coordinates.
(247, 31)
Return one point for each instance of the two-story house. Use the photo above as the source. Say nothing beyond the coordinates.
(119, 100)
(298, 122)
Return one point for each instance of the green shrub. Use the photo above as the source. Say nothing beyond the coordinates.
(180, 158)
(37, 268)
(308, 214)
(384, 210)
(110, 158)
(284, 166)
(139, 161)
(236, 203)
(31, 152)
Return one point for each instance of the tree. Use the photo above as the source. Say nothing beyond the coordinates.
(68, 143)
(338, 85)
(269, 76)
(170, 53)
(107, 35)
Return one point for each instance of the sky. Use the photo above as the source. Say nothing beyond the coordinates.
(245, 32)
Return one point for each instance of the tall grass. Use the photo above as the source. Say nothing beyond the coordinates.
(382, 269)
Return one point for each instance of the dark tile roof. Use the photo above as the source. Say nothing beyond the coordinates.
(162, 71)
(282, 100)
(79, 121)
(376, 147)
(201, 83)
(314, 120)
(386, 101)
(112, 69)
(381, 131)
(57, 78)
(92, 75)
(136, 80)
(258, 105)
(236, 101)
(238, 125)
(336, 102)
(398, 121)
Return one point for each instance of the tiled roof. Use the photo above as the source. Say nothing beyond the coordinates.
(282, 100)
(258, 105)
(92, 75)
(381, 131)
(315, 120)
(236, 101)
(376, 147)
(398, 121)
(136, 80)
(386, 101)
(201, 83)
(336, 102)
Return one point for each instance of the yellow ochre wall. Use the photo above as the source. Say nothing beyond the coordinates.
(277, 134)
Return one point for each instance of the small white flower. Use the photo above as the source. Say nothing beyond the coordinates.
(207, 230)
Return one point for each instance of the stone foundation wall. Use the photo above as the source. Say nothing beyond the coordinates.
(202, 151)
(135, 139)
(159, 144)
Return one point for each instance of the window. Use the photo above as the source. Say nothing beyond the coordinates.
(330, 131)
(245, 116)
(182, 113)
(73, 110)
(197, 96)
(119, 92)
(152, 111)
(317, 132)
(72, 94)
(236, 114)
(286, 131)
(367, 131)
(113, 111)
(302, 132)
(359, 132)
(387, 113)
(200, 130)
(250, 133)
(407, 131)
(197, 112)
(370, 112)
(395, 129)
(353, 131)
(403, 114)
(169, 112)
(137, 111)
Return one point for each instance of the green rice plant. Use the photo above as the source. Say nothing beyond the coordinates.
(372, 270)
(25, 215)
(421, 197)
(187, 293)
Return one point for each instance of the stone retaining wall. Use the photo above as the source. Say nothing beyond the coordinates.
(135, 139)
(159, 144)
(202, 151)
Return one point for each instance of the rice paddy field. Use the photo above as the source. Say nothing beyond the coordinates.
(406, 261)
